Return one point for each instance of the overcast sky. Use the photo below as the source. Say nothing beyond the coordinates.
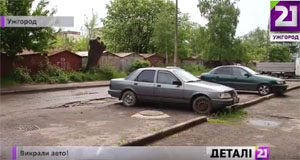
(254, 13)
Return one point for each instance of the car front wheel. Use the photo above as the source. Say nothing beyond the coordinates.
(128, 99)
(264, 89)
(202, 105)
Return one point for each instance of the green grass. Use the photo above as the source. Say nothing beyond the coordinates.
(8, 81)
(58, 76)
(232, 118)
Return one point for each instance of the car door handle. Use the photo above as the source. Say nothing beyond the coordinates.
(135, 84)
(159, 85)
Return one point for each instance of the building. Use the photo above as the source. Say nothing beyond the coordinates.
(192, 60)
(84, 57)
(30, 60)
(154, 59)
(120, 61)
(66, 60)
(70, 34)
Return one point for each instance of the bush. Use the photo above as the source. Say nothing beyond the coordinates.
(195, 69)
(139, 64)
(108, 72)
(22, 75)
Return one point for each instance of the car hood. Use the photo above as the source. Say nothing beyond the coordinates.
(267, 77)
(209, 85)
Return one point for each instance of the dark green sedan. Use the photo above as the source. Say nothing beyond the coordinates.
(244, 78)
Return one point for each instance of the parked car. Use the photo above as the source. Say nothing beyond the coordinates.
(244, 78)
(173, 85)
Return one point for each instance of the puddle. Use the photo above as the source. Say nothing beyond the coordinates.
(263, 123)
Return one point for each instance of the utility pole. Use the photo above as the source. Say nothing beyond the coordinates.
(268, 42)
(176, 35)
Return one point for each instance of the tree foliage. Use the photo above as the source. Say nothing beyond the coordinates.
(280, 54)
(222, 16)
(129, 24)
(15, 40)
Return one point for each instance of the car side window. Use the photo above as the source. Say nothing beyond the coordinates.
(223, 71)
(146, 76)
(166, 77)
(238, 71)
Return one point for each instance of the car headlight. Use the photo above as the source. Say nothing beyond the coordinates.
(280, 82)
(224, 95)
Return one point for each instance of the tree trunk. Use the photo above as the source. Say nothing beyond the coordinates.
(96, 50)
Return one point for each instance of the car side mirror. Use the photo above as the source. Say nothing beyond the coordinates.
(178, 83)
(247, 75)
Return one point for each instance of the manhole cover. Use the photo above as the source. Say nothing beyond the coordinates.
(28, 127)
(149, 114)
(263, 123)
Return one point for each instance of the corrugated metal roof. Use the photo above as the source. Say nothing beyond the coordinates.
(83, 53)
(122, 55)
(147, 55)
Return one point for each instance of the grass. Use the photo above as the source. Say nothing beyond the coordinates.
(232, 118)
(53, 75)
(8, 81)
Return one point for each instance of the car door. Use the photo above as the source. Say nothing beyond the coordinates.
(144, 85)
(165, 90)
(242, 80)
(223, 75)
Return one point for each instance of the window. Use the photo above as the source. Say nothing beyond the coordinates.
(223, 71)
(186, 76)
(146, 76)
(166, 78)
(238, 71)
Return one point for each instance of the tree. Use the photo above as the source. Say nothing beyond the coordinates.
(222, 18)
(129, 24)
(256, 44)
(15, 40)
(198, 40)
(163, 34)
(91, 26)
(280, 54)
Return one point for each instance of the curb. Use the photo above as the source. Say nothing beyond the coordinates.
(50, 89)
(149, 138)
(257, 100)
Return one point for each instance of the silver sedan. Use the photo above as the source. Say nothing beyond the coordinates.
(173, 85)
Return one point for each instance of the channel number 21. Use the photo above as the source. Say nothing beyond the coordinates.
(262, 153)
(280, 21)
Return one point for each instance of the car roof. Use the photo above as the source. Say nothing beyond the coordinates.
(160, 68)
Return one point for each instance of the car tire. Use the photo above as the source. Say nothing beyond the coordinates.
(202, 105)
(128, 99)
(264, 89)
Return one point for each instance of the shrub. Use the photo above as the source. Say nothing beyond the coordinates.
(108, 72)
(22, 75)
(139, 64)
(195, 69)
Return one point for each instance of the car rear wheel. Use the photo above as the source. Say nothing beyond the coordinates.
(128, 99)
(202, 105)
(264, 89)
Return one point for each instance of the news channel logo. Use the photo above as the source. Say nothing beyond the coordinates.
(285, 16)
(261, 153)
(285, 21)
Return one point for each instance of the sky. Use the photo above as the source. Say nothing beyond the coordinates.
(253, 13)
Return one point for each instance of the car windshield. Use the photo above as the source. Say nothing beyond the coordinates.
(186, 76)
(250, 70)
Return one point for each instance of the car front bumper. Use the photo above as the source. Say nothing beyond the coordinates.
(114, 93)
(222, 103)
(279, 88)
